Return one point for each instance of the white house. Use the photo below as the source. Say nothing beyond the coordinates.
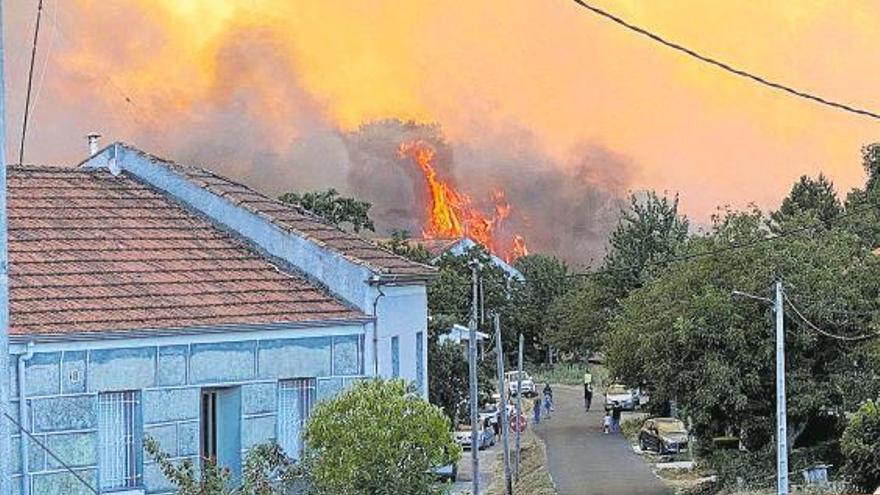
(150, 297)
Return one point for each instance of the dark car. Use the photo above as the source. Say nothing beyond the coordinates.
(664, 436)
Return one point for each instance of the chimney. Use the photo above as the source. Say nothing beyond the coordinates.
(94, 143)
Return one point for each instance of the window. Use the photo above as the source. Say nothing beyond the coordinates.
(420, 361)
(295, 401)
(395, 357)
(119, 444)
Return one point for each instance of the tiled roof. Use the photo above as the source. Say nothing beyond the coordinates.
(90, 251)
(303, 223)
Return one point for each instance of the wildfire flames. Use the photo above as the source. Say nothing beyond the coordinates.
(452, 214)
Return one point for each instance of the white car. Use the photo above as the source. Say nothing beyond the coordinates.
(622, 397)
(485, 434)
(528, 385)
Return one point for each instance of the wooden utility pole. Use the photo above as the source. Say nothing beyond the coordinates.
(508, 481)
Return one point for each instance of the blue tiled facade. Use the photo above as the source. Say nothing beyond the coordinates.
(62, 390)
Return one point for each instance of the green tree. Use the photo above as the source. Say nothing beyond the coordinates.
(684, 336)
(860, 444)
(267, 471)
(812, 197)
(448, 369)
(401, 244)
(377, 439)
(651, 230)
(579, 318)
(336, 209)
(544, 280)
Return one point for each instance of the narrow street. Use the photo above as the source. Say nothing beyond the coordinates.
(585, 461)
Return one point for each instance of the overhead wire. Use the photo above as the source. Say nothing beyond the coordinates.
(820, 331)
(725, 66)
(30, 83)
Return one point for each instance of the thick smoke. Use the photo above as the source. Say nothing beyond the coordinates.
(239, 105)
(563, 209)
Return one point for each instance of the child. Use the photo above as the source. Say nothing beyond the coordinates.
(606, 423)
(537, 411)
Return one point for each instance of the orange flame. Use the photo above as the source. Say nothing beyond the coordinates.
(451, 213)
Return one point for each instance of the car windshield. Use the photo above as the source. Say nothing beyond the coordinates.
(670, 426)
(466, 428)
(617, 390)
(513, 376)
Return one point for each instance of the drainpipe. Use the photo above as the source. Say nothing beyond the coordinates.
(375, 281)
(24, 444)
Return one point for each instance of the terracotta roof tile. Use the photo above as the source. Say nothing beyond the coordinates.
(303, 223)
(93, 252)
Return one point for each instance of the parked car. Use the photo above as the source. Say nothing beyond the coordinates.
(528, 385)
(620, 396)
(446, 473)
(664, 436)
(485, 433)
(491, 414)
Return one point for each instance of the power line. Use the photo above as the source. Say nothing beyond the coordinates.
(30, 83)
(727, 67)
(815, 328)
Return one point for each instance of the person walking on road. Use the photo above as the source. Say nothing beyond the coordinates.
(615, 419)
(536, 410)
(548, 399)
(588, 395)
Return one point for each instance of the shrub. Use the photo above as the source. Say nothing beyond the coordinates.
(860, 446)
(377, 439)
(267, 471)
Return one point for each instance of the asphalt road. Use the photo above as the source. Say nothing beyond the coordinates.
(585, 461)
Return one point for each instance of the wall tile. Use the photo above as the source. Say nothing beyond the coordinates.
(73, 372)
(188, 438)
(75, 449)
(172, 365)
(328, 387)
(257, 430)
(346, 355)
(64, 483)
(162, 406)
(166, 435)
(64, 413)
(42, 374)
(257, 398)
(121, 369)
(222, 362)
(293, 358)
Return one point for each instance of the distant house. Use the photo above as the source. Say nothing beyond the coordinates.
(460, 335)
(459, 246)
(149, 297)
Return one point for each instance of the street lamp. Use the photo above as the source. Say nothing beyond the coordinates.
(781, 426)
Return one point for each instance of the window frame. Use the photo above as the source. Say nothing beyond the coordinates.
(305, 396)
(127, 405)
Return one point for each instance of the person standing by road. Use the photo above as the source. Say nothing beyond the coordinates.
(548, 399)
(536, 410)
(588, 395)
(615, 418)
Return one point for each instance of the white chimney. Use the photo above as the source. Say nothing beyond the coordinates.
(94, 143)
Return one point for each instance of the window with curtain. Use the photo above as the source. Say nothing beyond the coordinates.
(296, 398)
(119, 440)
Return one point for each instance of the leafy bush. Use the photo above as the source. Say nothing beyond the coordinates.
(267, 471)
(860, 446)
(377, 439)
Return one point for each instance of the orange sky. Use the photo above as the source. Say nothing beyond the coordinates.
(537, 73)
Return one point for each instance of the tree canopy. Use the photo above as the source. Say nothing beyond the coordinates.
(338, 210)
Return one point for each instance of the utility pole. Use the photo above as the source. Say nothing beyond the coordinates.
(508, 481)
(519, 359)
(781, 426)
(5, 427)
(472, 369)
